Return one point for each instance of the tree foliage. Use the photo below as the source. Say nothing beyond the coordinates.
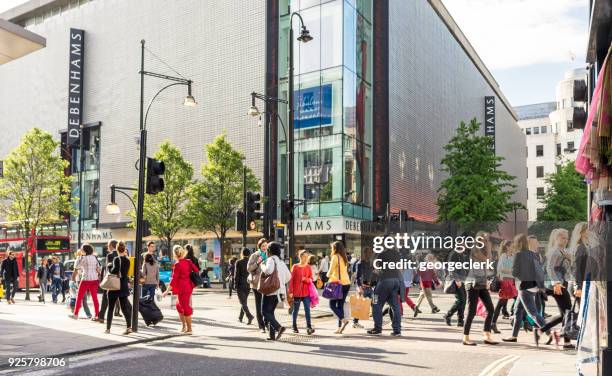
(477, 192)
(566, 197)
(34, 189)
(214, 200)
(167, 210)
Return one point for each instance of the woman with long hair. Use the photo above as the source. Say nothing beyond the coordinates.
(299, 290)
(182, 286)
(476, 285)
(150, 273)
(527, 268)
(120, 267)
(270, 300)
(507, 288)
(579, 247)
(338, 273)
(558, 274)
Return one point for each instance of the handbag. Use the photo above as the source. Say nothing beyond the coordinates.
(333, 290)
(494, 285)
(450, 287)
(112, 282)
(314, 295)
(360, 307)
(319, 284)
(195, 278)
(570, 326)
(269, 283)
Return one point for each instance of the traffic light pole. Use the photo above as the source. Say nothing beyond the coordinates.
(141, 193)
(244, 206)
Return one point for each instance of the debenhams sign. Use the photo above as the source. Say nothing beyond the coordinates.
(327, 225)
(75, 85)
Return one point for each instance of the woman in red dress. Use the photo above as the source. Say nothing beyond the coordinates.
(182, 286)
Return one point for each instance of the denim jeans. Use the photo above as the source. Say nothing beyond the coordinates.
(296, 309)
(148, 290)
(528, 302)
(43, 289)
(56, 288)
(387, 291)
(337, 305)
(10, 287)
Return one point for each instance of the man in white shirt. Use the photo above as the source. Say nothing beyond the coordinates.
(324, 267)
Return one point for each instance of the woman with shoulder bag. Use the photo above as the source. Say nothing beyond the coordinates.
(338, 275)
(182, 286)
(120, 268)
(275, 275)
(507, 288)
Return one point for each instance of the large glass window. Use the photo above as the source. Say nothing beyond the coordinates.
(333, 107)
(90, 198)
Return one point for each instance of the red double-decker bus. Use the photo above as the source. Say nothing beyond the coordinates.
(46, 240)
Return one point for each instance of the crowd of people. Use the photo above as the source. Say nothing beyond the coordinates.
(523, 279)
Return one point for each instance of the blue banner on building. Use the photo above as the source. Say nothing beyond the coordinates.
(313, 107)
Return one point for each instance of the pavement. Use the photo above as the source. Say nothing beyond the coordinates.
(222, 345)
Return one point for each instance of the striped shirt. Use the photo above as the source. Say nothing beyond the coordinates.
(88, 266)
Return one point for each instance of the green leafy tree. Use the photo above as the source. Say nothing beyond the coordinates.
(215, 199)
(167, 210)
(477, 192)
(35, 189)
(566, 197)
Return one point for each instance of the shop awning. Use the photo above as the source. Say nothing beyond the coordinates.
(16, 42)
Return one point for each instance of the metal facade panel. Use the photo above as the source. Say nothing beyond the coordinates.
(433, 85)
(217, 44)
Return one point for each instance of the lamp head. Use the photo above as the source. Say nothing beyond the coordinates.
(189, 99)
(254, 111)
(305, 36)
(113, 209)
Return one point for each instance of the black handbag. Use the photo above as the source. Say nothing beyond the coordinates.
(195, 278)
(494, 286)
(570, 327)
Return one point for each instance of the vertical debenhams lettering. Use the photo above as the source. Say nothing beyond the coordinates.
(75, 85)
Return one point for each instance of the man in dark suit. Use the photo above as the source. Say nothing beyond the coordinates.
(112, 253)
(242, 285)
(9, 271)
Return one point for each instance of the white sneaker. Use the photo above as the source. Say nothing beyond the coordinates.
(357, 325)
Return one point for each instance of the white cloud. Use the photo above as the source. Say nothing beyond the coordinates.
(8, 4)
(516, 33)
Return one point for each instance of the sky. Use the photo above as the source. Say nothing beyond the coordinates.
(526, 44)
(8, 4)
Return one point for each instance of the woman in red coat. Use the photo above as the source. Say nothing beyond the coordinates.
(182, 286)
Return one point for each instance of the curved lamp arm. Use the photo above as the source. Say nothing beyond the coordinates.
(159, 92)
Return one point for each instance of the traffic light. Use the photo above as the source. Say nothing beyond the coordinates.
(146, 229)
(155, 183)
(286, 211)
(253, 206)
(240, 222)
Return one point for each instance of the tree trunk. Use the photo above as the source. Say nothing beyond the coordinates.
(222, 259)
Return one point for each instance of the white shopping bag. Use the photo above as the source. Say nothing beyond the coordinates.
(173, 299)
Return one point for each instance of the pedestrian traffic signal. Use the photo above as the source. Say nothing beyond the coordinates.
(146, 229)
(240, 221)
(253, 206)
(286, 211)
(155, 183)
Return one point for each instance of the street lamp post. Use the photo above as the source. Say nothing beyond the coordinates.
(189, 101)
(304, 37)
(254, 111)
